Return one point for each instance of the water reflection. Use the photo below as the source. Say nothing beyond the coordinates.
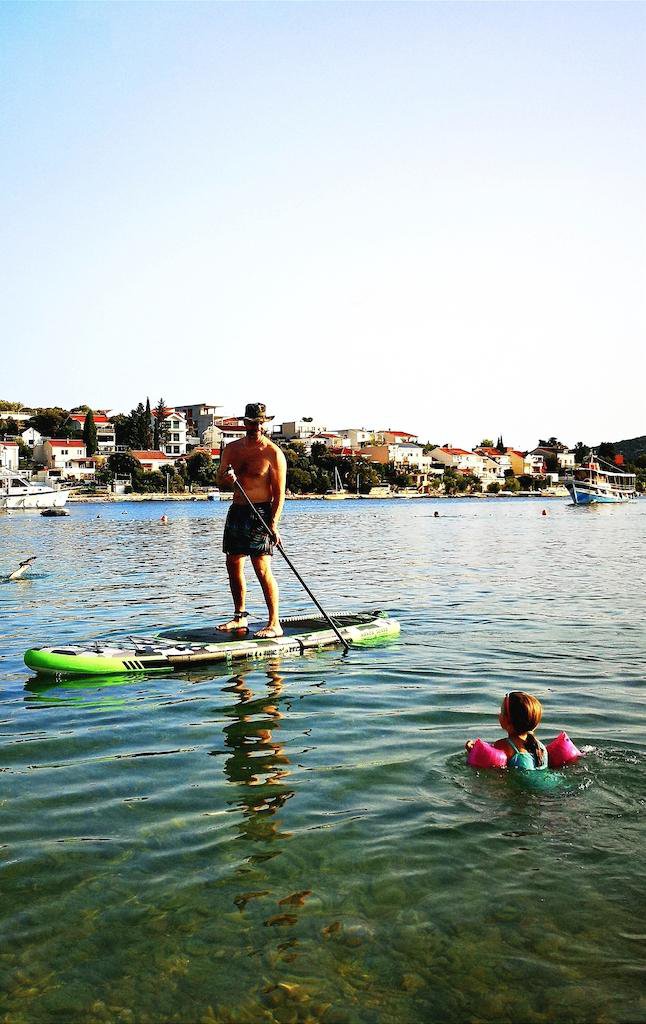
(257, 763)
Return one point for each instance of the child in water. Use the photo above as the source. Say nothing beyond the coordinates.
(520, 714)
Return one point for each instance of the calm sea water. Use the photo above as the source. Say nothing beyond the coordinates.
(301, 841)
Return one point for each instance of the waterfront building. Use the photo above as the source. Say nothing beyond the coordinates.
(106, 441)
(554, 450)
(65, 458)
(223, 431)
(174, 442)
(501, 461)
(459, 459)
(199, 416)
(411, 457)
(9, 454)
(152, 460)
(527, 463)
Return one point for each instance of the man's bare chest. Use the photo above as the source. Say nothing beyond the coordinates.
(256, 464)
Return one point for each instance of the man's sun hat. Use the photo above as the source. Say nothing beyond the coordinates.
(256, 412)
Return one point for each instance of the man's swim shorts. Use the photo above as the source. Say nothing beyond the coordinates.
(243, 534)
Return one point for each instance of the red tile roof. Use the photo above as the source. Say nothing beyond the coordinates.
(456, 451)
(9, 444)
(149, 456)
(80, 417)
(60, 443)
(396, 433)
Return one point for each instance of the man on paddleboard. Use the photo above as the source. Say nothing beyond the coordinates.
(260, 467)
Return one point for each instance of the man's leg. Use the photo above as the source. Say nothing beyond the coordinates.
(238, 584)
(262, 567)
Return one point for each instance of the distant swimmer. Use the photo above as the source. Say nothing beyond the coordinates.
(22, 569)
(436, 515)
(544, 512)
(164, 519)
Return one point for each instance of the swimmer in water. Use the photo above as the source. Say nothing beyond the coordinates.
(164, 519)
(520, 714)
(436, 515)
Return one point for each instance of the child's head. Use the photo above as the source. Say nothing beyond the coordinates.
(520, 712)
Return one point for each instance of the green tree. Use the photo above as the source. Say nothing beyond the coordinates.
(139, 430)
(494, 487)
(149, 426)
(201, 469)
(486, 443)
(6, 406)
(299, 481)
(50, 422)
(526, 482)
(160, 434)
(511, 484)
(581, 452)
(124, 464)
(122, 428)
(89, 433)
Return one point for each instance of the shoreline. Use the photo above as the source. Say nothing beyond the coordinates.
(114, 499)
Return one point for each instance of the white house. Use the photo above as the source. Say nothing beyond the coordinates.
(459, 459)
(354, 437)
(68, 458)
(223, 432)
(395, 437)
(502, 460)
(9, 452)
(174, 441)
(31, 437)
(106, 441)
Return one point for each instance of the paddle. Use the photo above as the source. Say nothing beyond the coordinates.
(291, 565)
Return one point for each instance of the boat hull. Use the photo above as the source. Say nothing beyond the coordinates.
(182, 648)
(34, 499)
(583, 494)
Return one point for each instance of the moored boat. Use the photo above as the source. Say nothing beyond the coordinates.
(17, 492)
(592, 484)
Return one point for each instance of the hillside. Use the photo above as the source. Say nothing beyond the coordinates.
(631, 448)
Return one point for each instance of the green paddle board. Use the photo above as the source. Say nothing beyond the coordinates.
(182, 647)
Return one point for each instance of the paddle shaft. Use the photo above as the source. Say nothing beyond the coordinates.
(288, 560)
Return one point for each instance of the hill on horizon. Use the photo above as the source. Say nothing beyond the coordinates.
(630, 448)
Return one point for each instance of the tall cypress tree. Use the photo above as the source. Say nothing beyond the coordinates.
(161, 427)
(89, 433)
(149, 426)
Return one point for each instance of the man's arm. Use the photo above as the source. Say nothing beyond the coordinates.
(224, 481)
(278, 483)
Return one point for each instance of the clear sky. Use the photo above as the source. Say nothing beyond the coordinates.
(429, 217)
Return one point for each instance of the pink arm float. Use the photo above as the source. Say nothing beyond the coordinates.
(559, 752)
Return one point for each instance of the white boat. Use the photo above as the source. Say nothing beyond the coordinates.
(338, 491)
(213, 495)
(592, 484)
(17, 492)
